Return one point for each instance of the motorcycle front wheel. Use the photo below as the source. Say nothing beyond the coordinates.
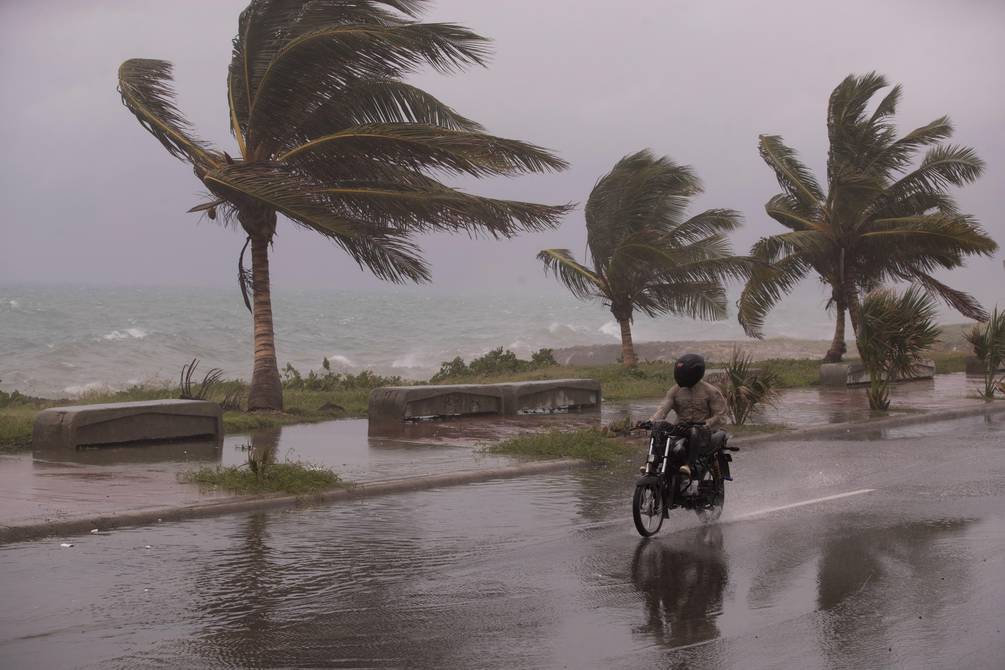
(647, 509)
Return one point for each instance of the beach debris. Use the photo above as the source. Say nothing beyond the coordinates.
(66, 545)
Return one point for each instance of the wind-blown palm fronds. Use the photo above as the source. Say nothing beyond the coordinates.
(893, 332)
(988, 341)
(647, 255)
(885, 216)
(333, 139)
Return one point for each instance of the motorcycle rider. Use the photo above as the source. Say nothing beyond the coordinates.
(693, 401)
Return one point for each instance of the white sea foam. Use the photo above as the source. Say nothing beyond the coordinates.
(556, 328)
(128, 333)
(410, 360)
(14, 304)
(611, 329)
(86, 388)
(339, 359)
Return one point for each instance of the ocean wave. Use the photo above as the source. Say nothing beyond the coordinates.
(14, 304)
(128, 333)
(612, 329)
(556, 328)
(412, 359)
(81, 389)
(339, 359)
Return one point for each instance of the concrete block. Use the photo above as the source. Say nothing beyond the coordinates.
(402, 403)
(854, 374)
(66, 428)
(550, 395)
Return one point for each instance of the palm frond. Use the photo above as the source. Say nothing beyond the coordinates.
(766, 286)
(420, 147)
(795, 178)
(786, 210)
(146, 89)
(705, 300)
(360, 103)
(438, 208)
(709, 222)
(962, 302)
(343, 53)
(580, 280)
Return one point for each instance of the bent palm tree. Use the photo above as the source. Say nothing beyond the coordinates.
(330, 137)
(646, 256)
(884, 216)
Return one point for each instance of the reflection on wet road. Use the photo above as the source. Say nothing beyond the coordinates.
(547, 572)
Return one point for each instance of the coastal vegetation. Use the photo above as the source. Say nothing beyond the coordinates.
(885, 216)
(893, 332)
(330, 137)
(646, 256)
(324, 395)
(588, 444)
(746, 388)
(988, 342)
(262, 473)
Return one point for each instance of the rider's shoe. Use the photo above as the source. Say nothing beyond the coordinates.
(642, 469)
(685, 470)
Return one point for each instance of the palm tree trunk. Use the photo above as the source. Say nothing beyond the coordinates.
(838, 347)
(266, 388)
(627, 349)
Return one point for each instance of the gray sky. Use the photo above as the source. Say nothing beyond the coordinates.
(90, 197)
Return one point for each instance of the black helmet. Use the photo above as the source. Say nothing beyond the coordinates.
(689, 370)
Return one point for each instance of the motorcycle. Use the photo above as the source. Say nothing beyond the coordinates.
(662, 487)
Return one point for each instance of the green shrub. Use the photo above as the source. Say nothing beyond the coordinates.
(496, 362)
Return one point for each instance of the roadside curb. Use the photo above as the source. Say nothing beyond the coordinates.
(80, 526)
(852, 428)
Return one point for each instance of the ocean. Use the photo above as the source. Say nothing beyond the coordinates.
(60, 341)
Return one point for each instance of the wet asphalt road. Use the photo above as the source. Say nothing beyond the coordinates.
(908, 571)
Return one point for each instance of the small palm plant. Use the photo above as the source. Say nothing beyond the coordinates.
(892, 334)
(746, 388)
(647, 257)
(988, 341)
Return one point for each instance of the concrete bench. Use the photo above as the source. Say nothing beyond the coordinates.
(854, 374)
(61, 429)
(403, 403)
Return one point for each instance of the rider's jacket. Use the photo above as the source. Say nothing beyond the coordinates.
(701, 402)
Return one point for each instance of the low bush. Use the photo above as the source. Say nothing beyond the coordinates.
(496, 362)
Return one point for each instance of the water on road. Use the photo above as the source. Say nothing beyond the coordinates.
(830, 554)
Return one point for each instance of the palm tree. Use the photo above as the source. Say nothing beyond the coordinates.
(893, 333)
(330, 137)
(885, 215)
(646, 255)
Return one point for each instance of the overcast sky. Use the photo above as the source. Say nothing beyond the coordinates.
(90, 197)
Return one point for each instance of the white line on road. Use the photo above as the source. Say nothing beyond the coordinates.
(800, 504)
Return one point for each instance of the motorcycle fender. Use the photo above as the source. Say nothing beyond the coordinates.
(724, 460)
(649, 479)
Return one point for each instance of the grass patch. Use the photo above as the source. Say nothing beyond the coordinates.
(15, 427)
(587, 444)
(294, 478)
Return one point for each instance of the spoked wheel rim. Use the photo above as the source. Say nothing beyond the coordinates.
(711, 513)
(647, 509)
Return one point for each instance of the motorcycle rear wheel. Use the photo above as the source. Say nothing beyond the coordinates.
(711, 513)
(647, 509)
